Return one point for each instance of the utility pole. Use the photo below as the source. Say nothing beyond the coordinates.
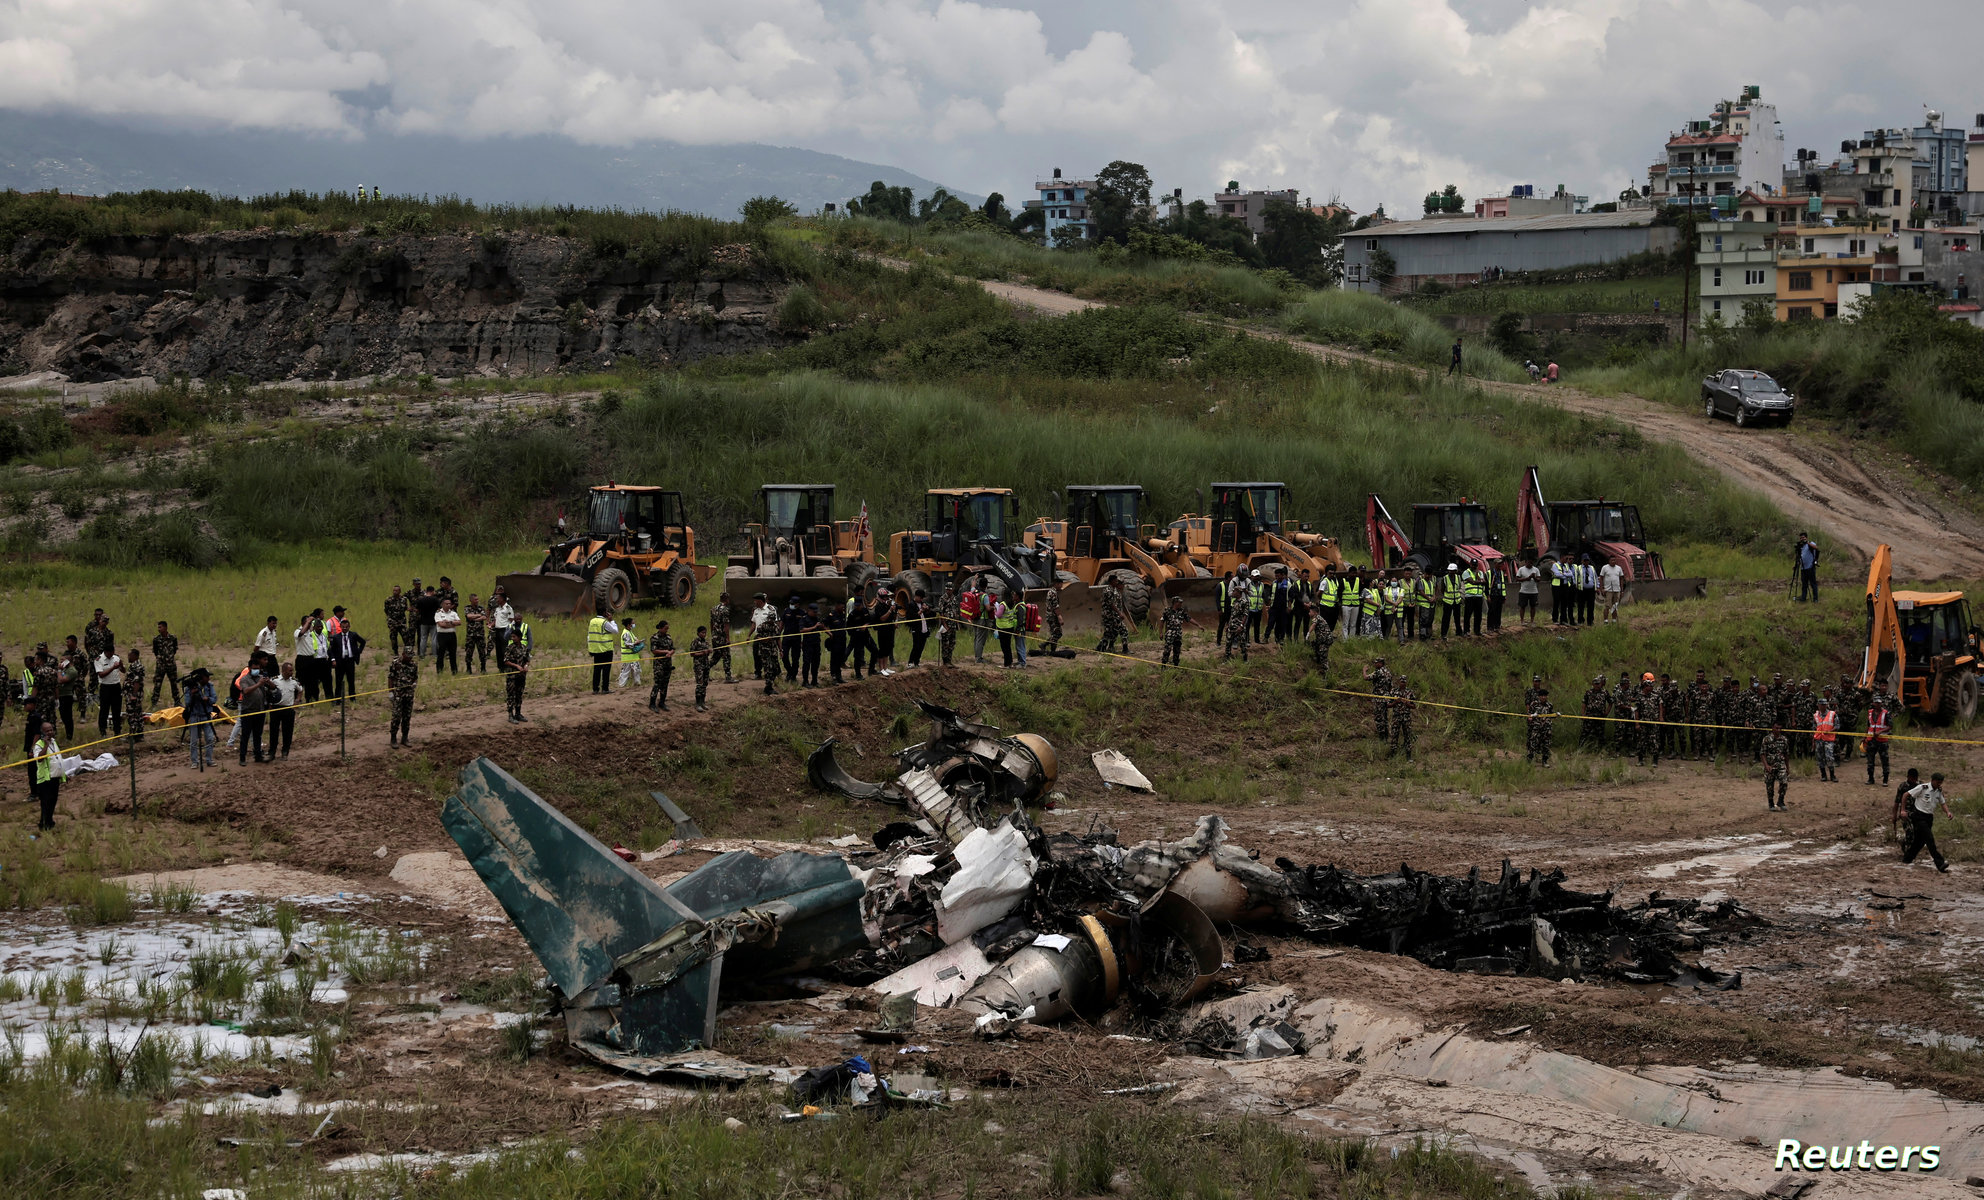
(1687, 224)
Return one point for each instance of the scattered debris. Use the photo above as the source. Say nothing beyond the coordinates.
(1118, 770)
(686, 829)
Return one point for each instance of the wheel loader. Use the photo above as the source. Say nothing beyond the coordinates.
(1922, 647)
(1102, 537)
(796, 548)
(1609, 532)
(637, 544)
(968, 531)
(1245, 528)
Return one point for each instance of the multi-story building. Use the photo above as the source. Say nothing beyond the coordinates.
(1064, 202)
(1972, 203)
(1952, 257)
(1909, 177)
(1817, 261)
(1737, 148)
(1252, 207)
(1797, 210)
(1738, 264)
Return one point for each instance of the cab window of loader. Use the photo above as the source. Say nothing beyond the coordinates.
(1566, 526)
(607, 508)
(985, 517)
(1918, 633)
(787, 511)
(1116, 512)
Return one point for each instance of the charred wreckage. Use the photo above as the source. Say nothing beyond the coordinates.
(965, 902)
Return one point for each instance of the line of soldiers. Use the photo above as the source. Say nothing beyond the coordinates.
(1655, 716)
(1392, 707)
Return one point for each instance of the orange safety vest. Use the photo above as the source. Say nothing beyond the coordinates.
(1878, 724)
(1824, 721)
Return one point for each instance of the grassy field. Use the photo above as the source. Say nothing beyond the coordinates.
(1368, 323)
(1600, 296)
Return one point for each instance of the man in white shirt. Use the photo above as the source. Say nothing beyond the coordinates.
(109, 693)
(446, 622)
(282, 714)
(1528, 576)
(1923, 801)
(268, 641)
(1612, 582)
(502, 619)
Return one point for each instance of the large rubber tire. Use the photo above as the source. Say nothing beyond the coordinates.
(909, 583)
(1201, 572)
(1960, 700)
(1708, 407)
(858, 576)
(678, 587)
(612, 590)
(1136, 593)
(737, 572)
(1742, 416)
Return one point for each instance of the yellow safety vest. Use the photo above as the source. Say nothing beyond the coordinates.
(1395, 598)
(630, 651)
(44, 767)
(1350, 592)
(598, 641)
(1450, 593)
(1329, 591)
(1009, 619)
(1470, 581)
(1422, 592)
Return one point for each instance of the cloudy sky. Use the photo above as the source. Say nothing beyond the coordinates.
(1370, 100)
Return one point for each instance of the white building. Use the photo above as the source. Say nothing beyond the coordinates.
(1738, 147)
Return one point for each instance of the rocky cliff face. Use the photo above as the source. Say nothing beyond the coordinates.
(276, 306)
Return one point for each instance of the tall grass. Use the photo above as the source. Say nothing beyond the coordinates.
(1367, 323)
(1601, 296)
(1333, 437)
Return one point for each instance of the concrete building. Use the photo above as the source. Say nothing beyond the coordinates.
(1737, 148)
(1463, 251)
(1065, 202)
(1523, 201)
(1251, 207)
(1972, 203)
(1817, 262)
(1813, 209)
(1952, 258)
(1911, 177)
(1737, 261)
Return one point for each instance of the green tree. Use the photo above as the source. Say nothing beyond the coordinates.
(1120, 200)
(763, 210)
(885, 202)
(995, 209)
(1384, 268)
(1198, 222)
(942, 208)
(1301, 243)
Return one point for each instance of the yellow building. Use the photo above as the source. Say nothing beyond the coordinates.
(1812, 264)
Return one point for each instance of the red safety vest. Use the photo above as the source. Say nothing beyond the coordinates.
(1824, 721)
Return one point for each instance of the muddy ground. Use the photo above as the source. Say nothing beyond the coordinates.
(1864, 976)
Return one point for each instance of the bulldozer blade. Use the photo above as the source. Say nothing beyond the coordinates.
(779, 588)
(1653, 591)
(547, 595)
(1201, 598)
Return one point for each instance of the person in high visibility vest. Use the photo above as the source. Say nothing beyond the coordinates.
(1498, 596)
(1452, 591)
(1350, 602)
(601, 635)
(1005, 619)
(1474, 592)
(1587, 579)
(1880, 723)
(1225, 607)
(1329, 596)
(1419, 605)
(1257, 604)
(48, 773)
(1392, 612)
(630, 653)
(1825, 727)
(1374, 603)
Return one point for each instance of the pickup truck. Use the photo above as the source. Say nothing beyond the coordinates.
(1748, 396)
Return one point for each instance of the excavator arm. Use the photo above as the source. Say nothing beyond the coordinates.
(1153, 570)
(1532, 515)
(1382, 532)
(1882, 665)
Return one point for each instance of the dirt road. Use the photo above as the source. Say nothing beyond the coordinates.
(1845, 496)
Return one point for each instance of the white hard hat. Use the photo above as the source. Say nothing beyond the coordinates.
(1257, 572)
(1453, 566)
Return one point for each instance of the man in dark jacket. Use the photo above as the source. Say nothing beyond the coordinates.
(345, 649)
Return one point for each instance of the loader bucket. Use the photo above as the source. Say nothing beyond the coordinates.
(1081, 605)
(547, 595)
(1653, 591)
(779, 588)
(1201, 598)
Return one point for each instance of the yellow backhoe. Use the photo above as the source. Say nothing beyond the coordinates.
(637, 543)
(1921, 646)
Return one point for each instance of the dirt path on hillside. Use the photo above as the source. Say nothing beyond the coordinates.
(1846, 497)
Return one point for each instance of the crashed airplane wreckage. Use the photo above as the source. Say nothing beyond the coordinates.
(965, 902)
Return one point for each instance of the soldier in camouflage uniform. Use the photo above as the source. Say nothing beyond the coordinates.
(1381, 689)
(1775, 752)
(1756, 719)
(661, 648)
(396, 614)
(47, 692)
(97, 640)
(446, 592)
(1321, 637)
(1799, 728)
(1620, 727)
(165, 663)
(1235, 630)
(699, 661)
(948, 620)
(1050, 616)
(1725, 710)
(1648, 718)
(1852, 706)
(720, 637)
(1175, 620)
(1115, 617)
(1597, 706)
(1542, 726)
(1777, 702)
(1536, 688)
(475, 620)
(1698, 704)
(514, 653)
(1673, 714)
(134, 693)
(400, 678)
(1400, 703)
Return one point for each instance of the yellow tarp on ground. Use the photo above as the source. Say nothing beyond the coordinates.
(175, 718)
